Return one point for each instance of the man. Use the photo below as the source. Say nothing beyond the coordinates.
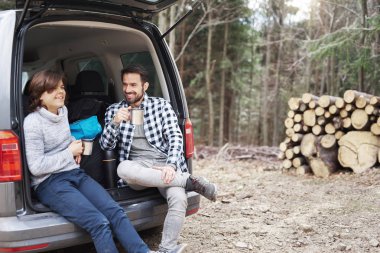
(151, 154)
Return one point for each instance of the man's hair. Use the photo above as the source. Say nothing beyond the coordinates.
(45, 80)
(136, 69)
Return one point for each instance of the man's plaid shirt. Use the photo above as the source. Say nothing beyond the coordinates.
(160, 126)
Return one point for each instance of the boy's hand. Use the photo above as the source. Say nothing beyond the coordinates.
(76, 148)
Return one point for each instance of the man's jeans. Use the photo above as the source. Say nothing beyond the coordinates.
(81, 200)
(140, 175)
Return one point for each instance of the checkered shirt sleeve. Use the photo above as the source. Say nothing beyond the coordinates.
(112, 133)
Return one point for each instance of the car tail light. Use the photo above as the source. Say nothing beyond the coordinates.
(192, 211)
(25, 248)
(10, 161)
(189, 137)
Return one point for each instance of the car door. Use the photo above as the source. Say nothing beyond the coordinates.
(7, 28)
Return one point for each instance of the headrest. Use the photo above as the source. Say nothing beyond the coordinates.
(89, 81)
(26, 88)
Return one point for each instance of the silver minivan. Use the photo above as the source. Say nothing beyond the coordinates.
(91, 41)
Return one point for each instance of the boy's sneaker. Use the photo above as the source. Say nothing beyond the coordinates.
(204, 187)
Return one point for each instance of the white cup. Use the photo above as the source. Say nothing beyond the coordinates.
(87, 146)
(137, 116)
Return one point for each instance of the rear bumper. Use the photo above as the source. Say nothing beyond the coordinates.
(51, 231)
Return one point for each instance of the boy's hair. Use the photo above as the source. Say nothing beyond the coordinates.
(45, 80)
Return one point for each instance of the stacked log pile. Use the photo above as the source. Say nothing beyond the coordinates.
(325, 133)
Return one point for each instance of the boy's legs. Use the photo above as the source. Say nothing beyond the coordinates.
(59, 193)
(121, 226)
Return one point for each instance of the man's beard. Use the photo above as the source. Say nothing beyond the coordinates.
(136, 99)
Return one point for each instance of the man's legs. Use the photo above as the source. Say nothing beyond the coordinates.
(142, 173)
(177, 202)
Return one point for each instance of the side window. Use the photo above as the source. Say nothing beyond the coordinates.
(144, 59)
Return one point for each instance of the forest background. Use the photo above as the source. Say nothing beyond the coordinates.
(241, 60)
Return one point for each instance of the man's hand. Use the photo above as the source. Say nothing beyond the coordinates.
(122, 114)
(167, 173)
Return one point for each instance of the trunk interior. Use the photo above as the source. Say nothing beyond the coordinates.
(80, 48)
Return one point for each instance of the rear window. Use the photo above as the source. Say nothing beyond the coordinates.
(96, 65)
(144, 59)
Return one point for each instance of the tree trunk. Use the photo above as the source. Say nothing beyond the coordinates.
(238, 120)
(322, 86)
(265, 90)
(163, 24)
(231, 113)
(277, 101)
(333, 82)
(208, 81)
(172, 34)
(362, 41)
(182, 59)
(222, 88)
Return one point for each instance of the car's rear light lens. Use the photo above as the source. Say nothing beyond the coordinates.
(25, 248)
(192, 211)
(10, 161)
(189, 138)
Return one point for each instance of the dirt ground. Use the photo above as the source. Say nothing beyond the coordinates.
(263, 209)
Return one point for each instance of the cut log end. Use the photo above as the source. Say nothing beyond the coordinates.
(320, 168)
(359, 119)
(308, 148)
(328, 141)
(358, 150)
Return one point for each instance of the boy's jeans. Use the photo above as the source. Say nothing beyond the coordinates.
(80, 199)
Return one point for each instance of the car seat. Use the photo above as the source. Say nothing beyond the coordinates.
(89, 84)
(88, 99)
